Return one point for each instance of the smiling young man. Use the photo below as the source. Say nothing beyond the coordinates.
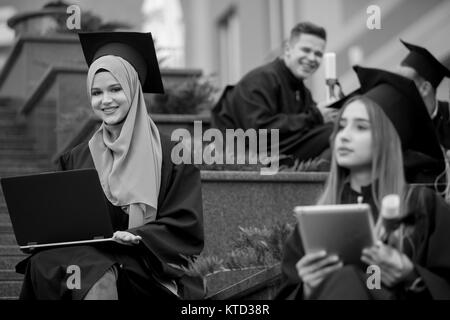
(273, 96)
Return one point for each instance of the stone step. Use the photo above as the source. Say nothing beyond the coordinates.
(11, 172)
(6, 227)
(16, 141)
(7, 113)
(10, 289)
(10, 275)
(10, 103)
(9, 122)
(9, 262)
(8, 163)
(6, 153)
(14, 130)
(7, 239)
(17, 146)
(15, 135)
(4, 218)
(10, 251)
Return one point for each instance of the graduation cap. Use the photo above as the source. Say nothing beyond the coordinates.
(135, 47)
(426, 65)
(400, 100)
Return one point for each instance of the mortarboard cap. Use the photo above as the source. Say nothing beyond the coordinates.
(135, 47)
(338, 104)
(400, 100)
(426, 65)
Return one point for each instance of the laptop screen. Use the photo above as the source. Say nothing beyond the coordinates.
(57, 207)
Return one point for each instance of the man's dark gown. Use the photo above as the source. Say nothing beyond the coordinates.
(271, 97)
(442, 124)
(430, 254)
(176, 232)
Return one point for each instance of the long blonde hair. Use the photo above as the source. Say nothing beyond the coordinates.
(387, 163)
(387, 159)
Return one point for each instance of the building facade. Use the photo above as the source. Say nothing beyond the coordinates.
(231, 37)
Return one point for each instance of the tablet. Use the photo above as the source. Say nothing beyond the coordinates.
(343, 229)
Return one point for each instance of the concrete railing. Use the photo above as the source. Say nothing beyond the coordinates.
(232, 199)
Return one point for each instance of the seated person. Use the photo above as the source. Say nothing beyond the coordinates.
(155, 206)
(273, 96)
(427, 73)
(374, 128)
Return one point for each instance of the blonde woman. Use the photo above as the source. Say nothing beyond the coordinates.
(369, 145)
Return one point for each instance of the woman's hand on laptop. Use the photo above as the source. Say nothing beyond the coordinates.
(126, 238)
(314, 267)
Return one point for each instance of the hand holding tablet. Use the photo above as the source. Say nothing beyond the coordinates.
(342, 230)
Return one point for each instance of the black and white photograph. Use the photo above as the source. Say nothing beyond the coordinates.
(224, 157)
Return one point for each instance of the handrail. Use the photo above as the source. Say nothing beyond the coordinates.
(31, 14)
(233, 176)
(44, 84)
(7, 66)
(18, 44)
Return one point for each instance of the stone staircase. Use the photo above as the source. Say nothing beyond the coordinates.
(17, 157)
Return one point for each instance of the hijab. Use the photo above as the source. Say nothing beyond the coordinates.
(129, 166)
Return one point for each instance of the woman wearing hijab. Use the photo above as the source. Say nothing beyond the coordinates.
(155, 206)
(375, 131)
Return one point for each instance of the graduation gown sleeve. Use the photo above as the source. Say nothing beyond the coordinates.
(178, 228)
(442, 124)
(431, 256)
(433, 260)
(292, 286)
(177, 231)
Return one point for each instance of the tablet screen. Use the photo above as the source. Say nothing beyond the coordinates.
(344, 230)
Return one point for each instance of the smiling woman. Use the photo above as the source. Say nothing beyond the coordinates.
(155, 205)
(108, 100)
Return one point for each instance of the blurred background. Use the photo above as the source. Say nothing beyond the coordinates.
(227, 38)
(202, 45)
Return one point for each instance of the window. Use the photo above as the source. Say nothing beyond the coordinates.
(229, 47)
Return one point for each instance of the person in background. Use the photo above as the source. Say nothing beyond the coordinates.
(427, 73)
(155, 206)
(376, 130)
(274, 96)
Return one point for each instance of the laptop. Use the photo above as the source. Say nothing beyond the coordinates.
(57, 209)
(343, 229)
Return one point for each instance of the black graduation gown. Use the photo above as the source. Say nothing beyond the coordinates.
(431, 256)
(270, 97)
(422, 168)
(176, 232)
(442, 124)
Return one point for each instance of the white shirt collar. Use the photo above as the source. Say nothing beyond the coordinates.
(435, 111)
